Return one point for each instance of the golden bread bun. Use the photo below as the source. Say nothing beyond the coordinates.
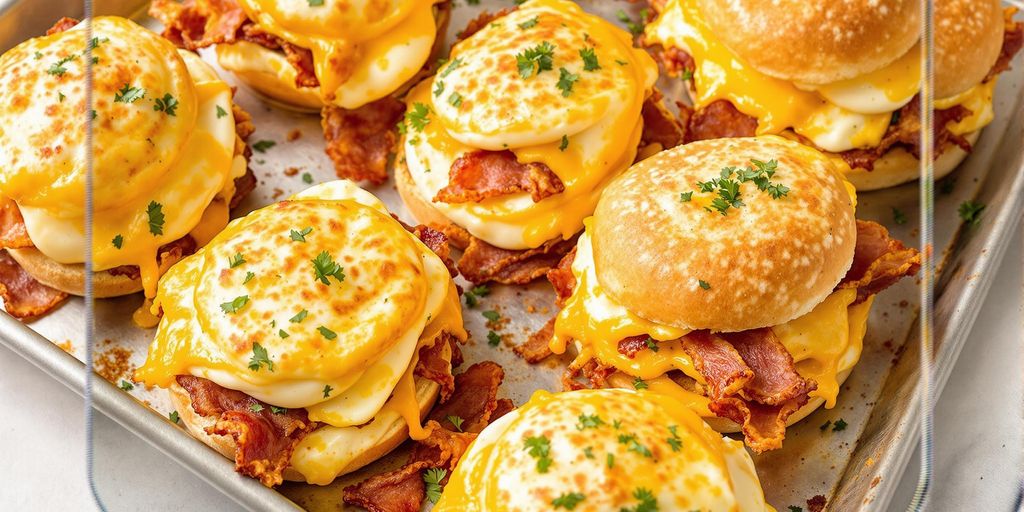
(815, 42)
(419, 207)
(761, 264)
(426, 394)
(70, 278)
(968, 39)
(898, 166)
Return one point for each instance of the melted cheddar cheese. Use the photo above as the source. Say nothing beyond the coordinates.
(362, 50)
(690, 466)
(586, 135)
(824, 343)
(344, 350)
(163, 136)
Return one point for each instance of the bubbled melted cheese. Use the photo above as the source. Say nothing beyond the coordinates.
(362, 50)
(396, 297)
(707, 472)
(184, 162)
(824, 343)
(479, 100)
(853, 113)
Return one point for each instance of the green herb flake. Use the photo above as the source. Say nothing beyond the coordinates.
(455, 99)
(564, 144)
(58, 68)
(539, 448)
(236, 260)
(568, 500)
(685, 197)
(456, 421)
(639, 383)
(493, 339)
(278, 410)
(260, 358)
(324, 266)
(307, 178)
(491, 315)
(315, 3)
(256, 407)
(283, 333)
(129, 94)
(589, 59)
(609, 460)
(248, 277)
(530, 23)
(173, 416)
(300, 236)
(651, 344)
(839, 425)
(647, 501)
(221, 112)
(703, 284)
(898, 216)
(118, 241)
(299, 317)
(127, 386)
(168, 105)
(261, 146)
(535, 60)
(970, 212)
(432, 479)
(327, 333)
(589, 421)
(155, 212)
(455, 64)
(235, 305)
(566, 81)
(418, 116)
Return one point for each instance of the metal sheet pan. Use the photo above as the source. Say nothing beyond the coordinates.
(856, 469)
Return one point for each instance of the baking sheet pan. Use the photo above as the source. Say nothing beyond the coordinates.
(856, 468)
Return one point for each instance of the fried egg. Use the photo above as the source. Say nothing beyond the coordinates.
(603, 450)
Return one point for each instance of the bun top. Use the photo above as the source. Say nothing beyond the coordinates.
(968, 39)
(670, 248)
(815, 42)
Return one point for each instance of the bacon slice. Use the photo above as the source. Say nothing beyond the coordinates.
(62, 25)
(169, 254)
(23, 296)
(1013, 39)
(660, 126)
(482, 262)
(402, 490)
(720, 119)
(764, 426)
(562, 278)
(195, 24)
(479, 175)
(264, 440)
(764, 354)
(360, 141)
(432, 366)
(535, 348)
(718, 362)
(632, 345)
(591, 369)
(13, 233)
(438, 243)
(878, 261)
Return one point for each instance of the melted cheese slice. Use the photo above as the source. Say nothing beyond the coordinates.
(362, 50)
(708, 472)
(499, 109)
(184, 162)
(824, 343)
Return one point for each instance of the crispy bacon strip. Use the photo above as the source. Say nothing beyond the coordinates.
(437, 242)
(718, 362)
(433, 367)
(264, 440)
(764, 354)
(878, 261)
(720, 119)
(13, 233)
(562, 278)
(23, 296)
(660, 126)
(535, 348)
(632, 345)
(474, 401)
(360, 141)
(195, 24)
(1013, 39)
(764, 426)
(596, 374)
(479, 175)
(62, 25)
(482, 262)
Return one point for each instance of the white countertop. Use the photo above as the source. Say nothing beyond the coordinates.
(978, 432)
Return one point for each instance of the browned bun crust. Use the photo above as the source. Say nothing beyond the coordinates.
(968, 38)
(426, 394)
(764, 263)
(815, 42)
(420, 208)
(71, 278)
(898, 166)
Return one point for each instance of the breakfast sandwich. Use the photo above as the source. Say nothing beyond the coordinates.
(349, 59)
(310, 337)
(842, 77)
(168, 162)
(509, 145)
(729, 274)
(610, 449)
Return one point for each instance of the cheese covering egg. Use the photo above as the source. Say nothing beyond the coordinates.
(602, 450)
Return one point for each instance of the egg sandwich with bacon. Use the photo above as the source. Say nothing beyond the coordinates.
(308, 338)
(350, 58)
(609, 449)
(729, 274)
(840, 76)
(510, 144)
(168, 161)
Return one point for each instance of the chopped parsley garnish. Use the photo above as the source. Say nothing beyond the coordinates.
(248, 277)
(95, 42)
(127, 386)
(491, 315)
(39, 55)
(616, 424)
(539, 448)
(438, 88)
(475, 293)
(970, 212)
(173, 416)
(566, 81)
(647, 501)
(456, 421)
(946, 186)
(839, 425)
(235, 305)
(621, 62)
(493, 339)
(167, 104)
(261, 146)
(327, 390)
(675, 442)
(300, 236)
(589, 60)
(278, 410)
(535, 60)
(60, 96)
(451, 67)
(687, 74)
(256, 407)
(898, 216)
(794, 508)
(236, 260)
(283, 333)
(118, 241)
(824, 426)
(315, 3)
(324, 266)
(327, 333)
(155, 212)
(639, 383)
(728, 189)
(221, 112)
(568, 500)
(260, 358)
(418, 116)
(564, 144)
(704, 284)
(588, 452)
(651, 344)
(685, 197)
(635, 28)
(609, 460)
(299, 317)
(58, 68)
(633, 445)
(589, 421)
(455, 99)
(530, 23)
(432, 478)
(307, 178)
(129, 94)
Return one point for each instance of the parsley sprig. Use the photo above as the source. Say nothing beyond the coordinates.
(535, 60)
(432, 478)
(727, 186)
(539, 448)
(260, 358)
(324, 266)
